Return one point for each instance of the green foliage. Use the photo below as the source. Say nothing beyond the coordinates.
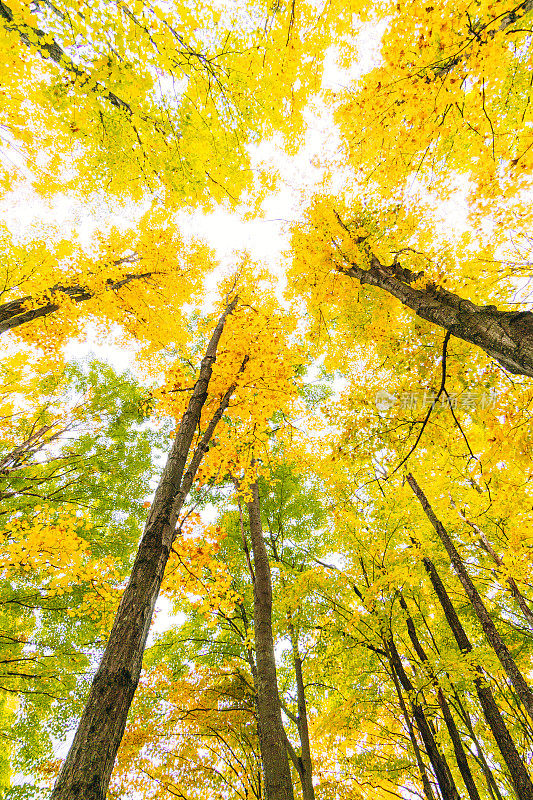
(70, 502)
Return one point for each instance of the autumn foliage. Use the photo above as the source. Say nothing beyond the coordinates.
(265, 518)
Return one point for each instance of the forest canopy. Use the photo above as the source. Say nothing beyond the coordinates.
(266, 400)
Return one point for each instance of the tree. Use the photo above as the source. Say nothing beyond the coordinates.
(366, 667)
(88, 766)
(142, 99)
(328, 246)
(453, 81)
(65, 486)
(278, 781)
(489, 629)
(201, 731)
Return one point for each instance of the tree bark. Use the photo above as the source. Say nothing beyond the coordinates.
(253, 670)
(438, 762)
(428, 791)
(16, 312)
(460, 755)
(305, 764)
(506, 336)
(506, 660)
(276, 769)
(479, 756)
(517, 770)
(87, 769)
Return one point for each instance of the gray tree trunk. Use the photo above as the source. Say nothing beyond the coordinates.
(506, 660)
(516, 767)
(428, 791)
(87, 769)
(439, 764)
(479, 755)
(506, 336)
(304, 763)
(460, 755)
(277, 773)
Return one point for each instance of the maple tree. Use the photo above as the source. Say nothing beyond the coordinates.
(357, 622)
(61, 494)
(219, 627)
(151, 99)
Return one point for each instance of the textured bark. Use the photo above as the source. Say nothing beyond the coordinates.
(87, 769)
(253, 670)
(460, 755)
(516, 767)
(17, 312)
(506, 336)
(506, 660)
(304, 764)
(438, 762)
(277, 774)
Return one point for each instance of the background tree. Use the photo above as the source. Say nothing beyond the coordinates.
(83, 457)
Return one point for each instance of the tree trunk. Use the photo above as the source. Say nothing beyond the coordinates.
(438, 762)
(87, 769)
(517, 770)
(460, 755)
(506, 660)
(277, 774)
(253, 670)
(480, 757)
(17, 312)
(506, 336)
(428, 791)
(305, 769)
(488, 548)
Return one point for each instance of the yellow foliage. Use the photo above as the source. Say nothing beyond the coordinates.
(50, 552)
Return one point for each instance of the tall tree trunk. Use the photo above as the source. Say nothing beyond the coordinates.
(302, 763)
(438, 762)
(506, 660)
(428, 791)
(87, 769)
(253, 670)
(479, 755)
(460, 755)
(465, 716)
(277, 773)
(506, 336)
(517, 770)
(305, 764)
